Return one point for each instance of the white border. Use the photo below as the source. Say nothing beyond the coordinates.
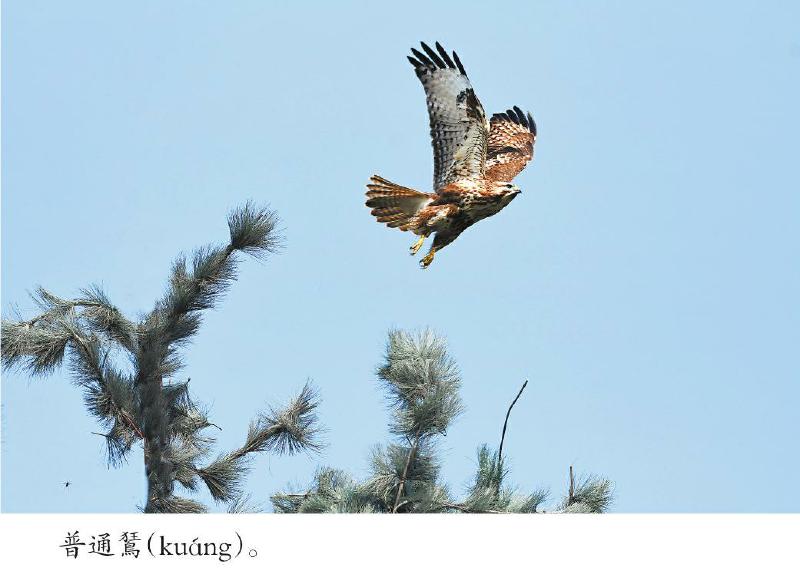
(422, 548)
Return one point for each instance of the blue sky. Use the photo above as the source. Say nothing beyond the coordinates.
(646, 280)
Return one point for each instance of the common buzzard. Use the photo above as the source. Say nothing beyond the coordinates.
(473, 159)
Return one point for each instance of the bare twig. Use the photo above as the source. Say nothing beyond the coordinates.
(505, 424)
(571, 486)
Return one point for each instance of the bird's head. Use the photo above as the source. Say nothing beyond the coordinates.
(508, 190)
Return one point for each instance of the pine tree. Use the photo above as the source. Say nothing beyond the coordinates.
(422, 385)
(147, 405)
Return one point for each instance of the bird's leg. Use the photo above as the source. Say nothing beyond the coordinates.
(415, 248)
(426, 261)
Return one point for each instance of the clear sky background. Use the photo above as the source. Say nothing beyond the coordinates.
(646, 281)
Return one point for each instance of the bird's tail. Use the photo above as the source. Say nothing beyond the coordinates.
(394, 204)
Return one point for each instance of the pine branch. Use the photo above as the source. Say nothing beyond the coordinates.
(109, 394)
(589, 494)
(176, 505)
(186, 419)
(287, 431)
(404, 476)
(63, 326)
(332, 491)
(43, 339)
(288, 502)
(529, 503)
(486, 491)
(243, 504)
(104, 318)
(223, 476)
(54, 308)
(36, 346)
(467, 509)
(253, 231)
(422, 383)
(184, 455)
(414, 467)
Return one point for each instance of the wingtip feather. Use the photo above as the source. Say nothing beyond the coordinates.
(423, 59)
(445, 56)
(458, 63)
(437, 60)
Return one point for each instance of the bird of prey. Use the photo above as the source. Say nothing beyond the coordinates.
(473, 158)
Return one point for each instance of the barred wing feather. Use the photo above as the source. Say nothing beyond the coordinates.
(459, 128)
(510, 144)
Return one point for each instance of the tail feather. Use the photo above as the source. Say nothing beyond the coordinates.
(394, 204)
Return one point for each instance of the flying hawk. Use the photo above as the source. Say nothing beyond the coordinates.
(473, 159)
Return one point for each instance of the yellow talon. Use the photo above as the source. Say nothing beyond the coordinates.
(415, 248)
(426, 261)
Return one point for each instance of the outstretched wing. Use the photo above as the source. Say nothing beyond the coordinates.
(459, 128)
(511, 140)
